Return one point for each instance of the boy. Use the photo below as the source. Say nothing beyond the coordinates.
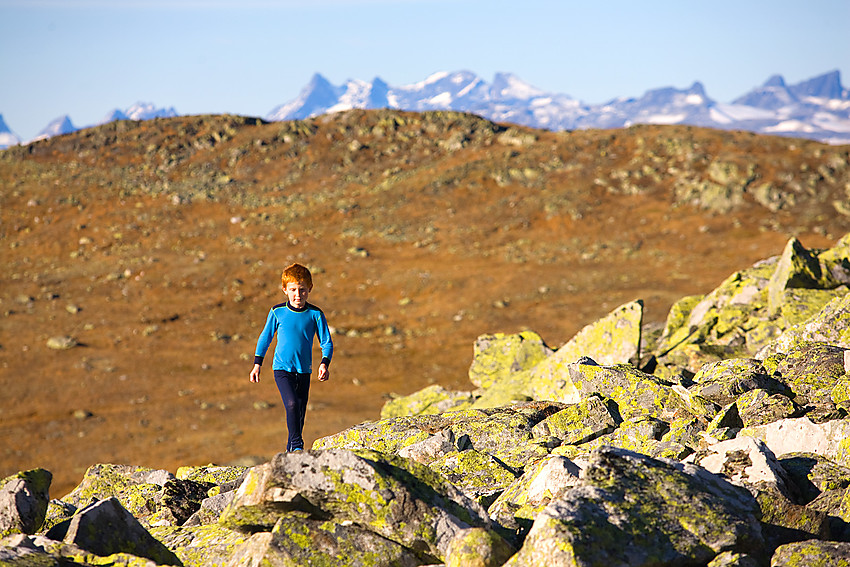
(296, 323)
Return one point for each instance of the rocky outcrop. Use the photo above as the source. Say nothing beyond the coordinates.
(724, 442)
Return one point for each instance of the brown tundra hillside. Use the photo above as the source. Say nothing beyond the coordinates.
(140, 260)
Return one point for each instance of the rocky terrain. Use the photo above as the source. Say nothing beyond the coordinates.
(141, 257)
(719, 440)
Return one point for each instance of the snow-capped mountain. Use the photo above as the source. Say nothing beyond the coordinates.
(63, 124)
(7, 137)
(139, 111)
(57, 127)
(818, 108)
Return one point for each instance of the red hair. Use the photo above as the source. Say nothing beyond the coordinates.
(296, 273)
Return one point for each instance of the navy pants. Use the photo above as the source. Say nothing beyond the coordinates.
(294, 388)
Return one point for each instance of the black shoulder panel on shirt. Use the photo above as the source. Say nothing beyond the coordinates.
(279, 305)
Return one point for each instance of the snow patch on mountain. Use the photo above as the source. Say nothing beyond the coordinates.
(818, 108)
(7, 137)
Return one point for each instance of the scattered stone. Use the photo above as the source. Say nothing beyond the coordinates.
(62, 343)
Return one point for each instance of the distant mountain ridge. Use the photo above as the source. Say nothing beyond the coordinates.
(818, 108)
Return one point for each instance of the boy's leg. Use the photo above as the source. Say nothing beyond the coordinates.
(287, 385)
(302, 393)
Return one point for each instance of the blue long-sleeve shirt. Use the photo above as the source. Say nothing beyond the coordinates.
(295, 330)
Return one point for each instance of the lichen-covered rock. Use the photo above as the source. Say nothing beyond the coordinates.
(386, 436)
(395, 498)
(297, 540)
(635, 392)
(430, 449)
(106, 527)
(226, 477)
(431, 400)
(730, 559)
(760, 407)
(38, 551)
(812, 370)
(200, 546)
(23, 501)
(614, 339)
(499, 355)
(723, 381)
(211, 509)
(726, 419)
(477, 547)
(479, 475)
(720, 324)
(676, 330)
(800, 305)
(831, 326)
(504, 433)
(797, 268)
(57, 512)
(835, 262)
(541, 482)
(632, 509)
(179, 500)
(812, 553)
(135, 487)
(582, 422)
(836, 504)
(830, 439)
(785, 522)
(812, 474)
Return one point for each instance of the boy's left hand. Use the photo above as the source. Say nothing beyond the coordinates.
(324, 372)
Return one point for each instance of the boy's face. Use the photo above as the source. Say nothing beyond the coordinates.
(297, 294)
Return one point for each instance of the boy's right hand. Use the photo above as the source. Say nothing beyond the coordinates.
(255, 373)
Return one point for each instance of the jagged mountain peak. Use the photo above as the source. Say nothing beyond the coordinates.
(510, 86)
(57, 127)
(775, 81)
(827, 86)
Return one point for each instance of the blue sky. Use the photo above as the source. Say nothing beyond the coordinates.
(84, 58)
